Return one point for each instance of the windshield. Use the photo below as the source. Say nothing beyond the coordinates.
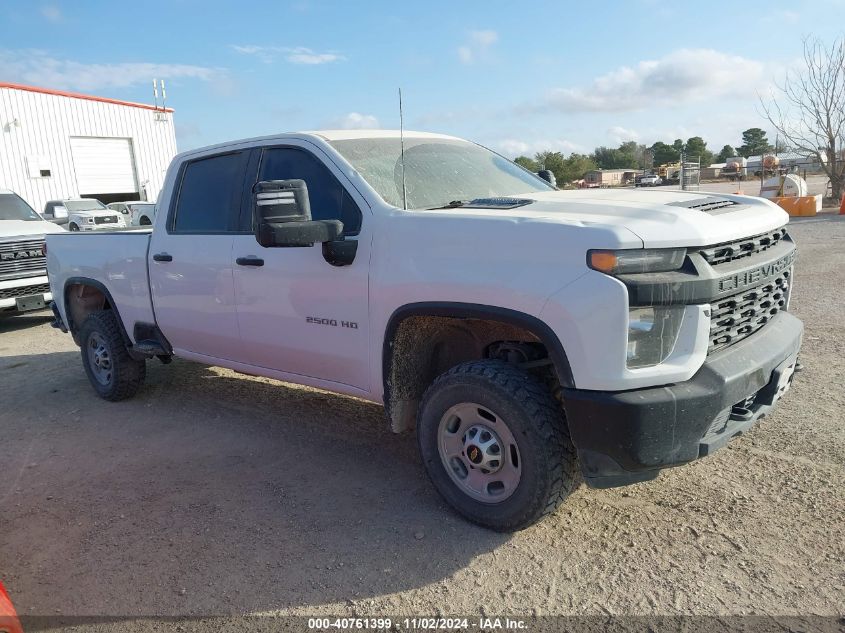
(83, 205)
(437, 171)
(13, 207)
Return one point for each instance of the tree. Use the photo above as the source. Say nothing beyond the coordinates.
(612, 158)
(697, 148)
(529, 163)
(726, 153)
(754, 143)
(575, 167)
(553, 161)
(662, 153)
(565, 169)
(810, 111)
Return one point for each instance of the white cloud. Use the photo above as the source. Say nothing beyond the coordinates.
(41, 69)
(293, 55)
(477, 46)
(355, 121)
(51, 12)
(683, 76)
(515, 147)
(619, 134)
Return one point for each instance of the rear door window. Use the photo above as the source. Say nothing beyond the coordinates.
(209, 195)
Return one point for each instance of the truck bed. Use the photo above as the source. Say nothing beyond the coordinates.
(116, 260)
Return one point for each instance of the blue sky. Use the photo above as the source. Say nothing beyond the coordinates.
(519, 77)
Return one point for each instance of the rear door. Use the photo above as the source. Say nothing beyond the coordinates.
(297, 313)
(191, 257)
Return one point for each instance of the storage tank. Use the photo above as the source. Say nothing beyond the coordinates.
(789, 186)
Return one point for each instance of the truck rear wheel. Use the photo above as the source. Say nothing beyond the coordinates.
(494, 443)
(113, 373)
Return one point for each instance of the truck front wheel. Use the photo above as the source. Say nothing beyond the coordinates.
(495, 445)
(113, 373)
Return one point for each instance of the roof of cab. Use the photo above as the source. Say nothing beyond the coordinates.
(323, 135)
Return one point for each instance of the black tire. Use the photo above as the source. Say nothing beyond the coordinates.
(72, 227)
(144, 221)
(127, 374)
(536, 422)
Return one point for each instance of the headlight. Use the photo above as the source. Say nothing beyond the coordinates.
(90, 220)
(642, 260)
(652, 333)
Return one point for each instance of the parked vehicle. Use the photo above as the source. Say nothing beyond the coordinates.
(23, 266)
(136, 212)
(648, 180)
(83, 214)
(524, 331)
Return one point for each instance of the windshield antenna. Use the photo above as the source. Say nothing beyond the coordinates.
(402, 149)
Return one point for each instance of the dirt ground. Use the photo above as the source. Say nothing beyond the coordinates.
(216, 493)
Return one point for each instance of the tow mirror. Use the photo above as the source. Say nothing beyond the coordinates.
(283, 216)
(548, 175)
(58, 216)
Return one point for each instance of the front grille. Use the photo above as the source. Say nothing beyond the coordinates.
(740, 315)
(106, 219)
(25, 291)
(22, 259)
(731, 251)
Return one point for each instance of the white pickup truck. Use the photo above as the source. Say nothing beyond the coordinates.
(525, 332)
(23, 265)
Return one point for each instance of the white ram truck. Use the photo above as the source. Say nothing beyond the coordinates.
(23, 265)
(525, 332)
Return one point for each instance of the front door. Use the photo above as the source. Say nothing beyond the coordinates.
(297, 313)
(191, 258)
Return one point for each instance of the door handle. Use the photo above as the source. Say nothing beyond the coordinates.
(162, 257)
(249, 261)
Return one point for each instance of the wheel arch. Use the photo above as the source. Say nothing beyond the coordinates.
(459, 312)
(76, 309)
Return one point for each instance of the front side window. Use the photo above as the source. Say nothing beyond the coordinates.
(209, 196)
(329, 199)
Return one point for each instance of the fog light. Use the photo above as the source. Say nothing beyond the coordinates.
(652, 333)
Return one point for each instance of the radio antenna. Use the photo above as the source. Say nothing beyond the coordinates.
(402, 151)
(155, 92)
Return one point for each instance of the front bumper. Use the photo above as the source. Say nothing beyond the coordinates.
(625, 437)
(12, 290)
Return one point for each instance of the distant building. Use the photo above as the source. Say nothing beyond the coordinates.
(713, 172)
(608, 177)
(789, 161)
(56, 144)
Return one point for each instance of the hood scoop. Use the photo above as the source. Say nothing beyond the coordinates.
(711, 204)
(496, 203)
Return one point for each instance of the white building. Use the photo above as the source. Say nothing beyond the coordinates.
(56, 145)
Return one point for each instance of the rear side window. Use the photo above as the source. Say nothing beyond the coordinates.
(209, 195)
(329, 199)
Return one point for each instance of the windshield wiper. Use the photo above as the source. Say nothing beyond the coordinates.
(452, 205)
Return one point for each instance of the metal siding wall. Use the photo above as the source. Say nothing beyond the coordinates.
(46, 124)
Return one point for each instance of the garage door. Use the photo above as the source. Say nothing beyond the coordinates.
(103, 165)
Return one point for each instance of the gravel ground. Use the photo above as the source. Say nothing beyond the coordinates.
(217, 493)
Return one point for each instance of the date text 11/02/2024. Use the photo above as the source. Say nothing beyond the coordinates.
(422, 623)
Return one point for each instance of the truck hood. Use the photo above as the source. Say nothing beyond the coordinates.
(11, 229)
(662, 218)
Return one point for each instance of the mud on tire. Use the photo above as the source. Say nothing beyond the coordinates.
(113, 373)
(534, 420)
